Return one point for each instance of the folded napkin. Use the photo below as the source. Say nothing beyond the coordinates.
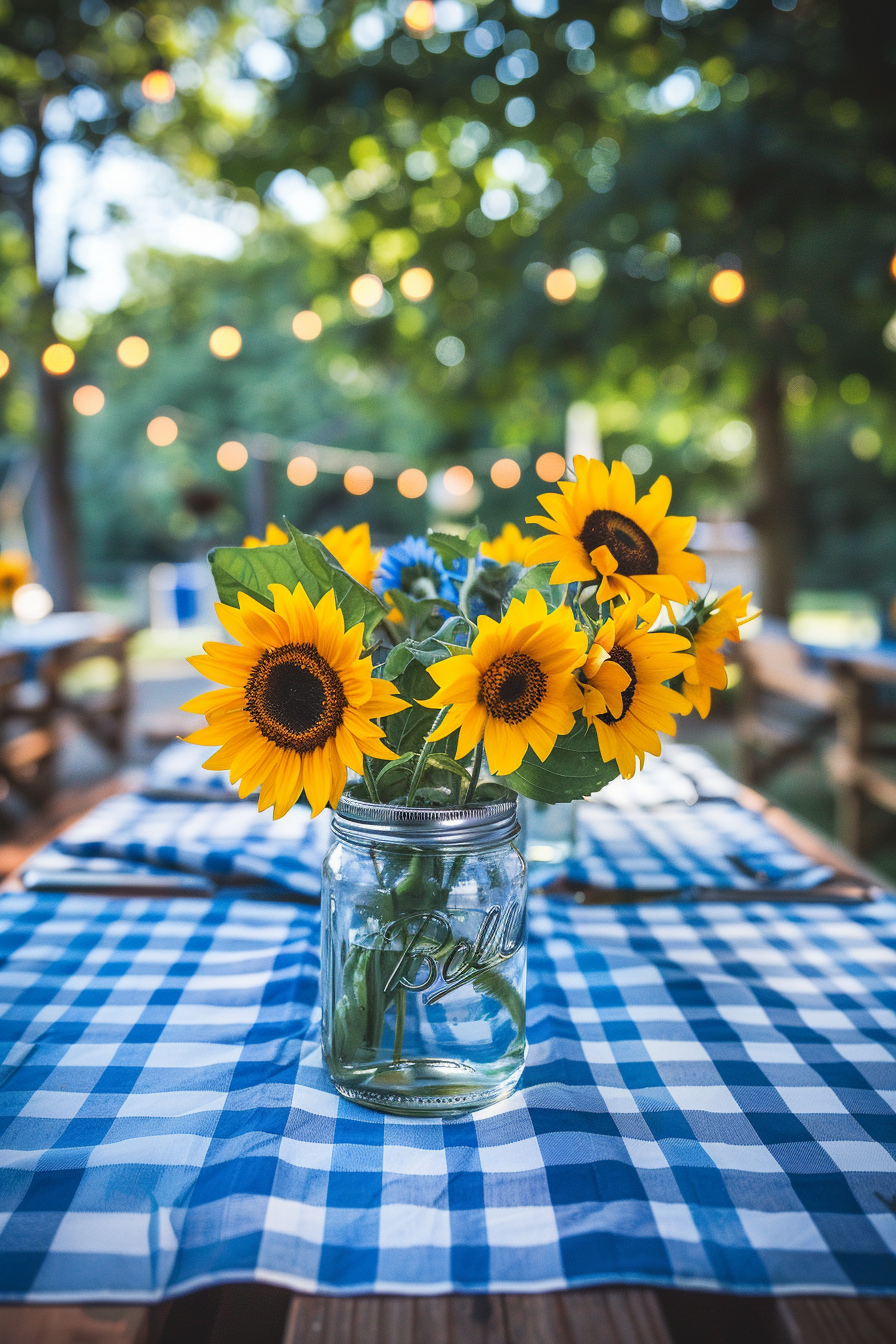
(221, 840)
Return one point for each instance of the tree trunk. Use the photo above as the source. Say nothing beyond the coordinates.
(63, 556)
(772, 513)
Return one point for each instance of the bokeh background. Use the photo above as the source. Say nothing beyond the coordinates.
(395, 262)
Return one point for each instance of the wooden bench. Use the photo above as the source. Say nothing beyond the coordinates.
(862, 762)
(784, 707)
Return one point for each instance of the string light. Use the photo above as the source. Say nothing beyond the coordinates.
(158, 87)
(550, 467)
(416, 284)
(727, 286)
(302, 471)
(560, 285)
(358, 480)
(307, 326)
(58, 359)
(88, 400)
(893, 266)
(505, 473)
(4, 363)
(420, 16)
(412, 483)
(132, 352)
(161, 431)
(458, 480)
(225, 342)
(366, 291)
(232, 455)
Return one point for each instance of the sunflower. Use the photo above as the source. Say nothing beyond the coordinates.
(509, 547)
(273, 536)
(728, 614)
(598, 530)
(625, 699)
(352, 551)
(515, 686)
(15, 569)
(298, 704)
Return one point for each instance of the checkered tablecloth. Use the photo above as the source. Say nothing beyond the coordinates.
(709, 1102)
(678, 832)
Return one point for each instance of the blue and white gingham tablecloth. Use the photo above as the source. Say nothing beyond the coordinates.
(709, 1102)
(673, 828)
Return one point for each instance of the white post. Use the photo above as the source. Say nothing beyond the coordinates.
(582, 432)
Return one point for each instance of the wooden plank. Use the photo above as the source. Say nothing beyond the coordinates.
(837, 1320)
(73, 1325)
(586, 1316)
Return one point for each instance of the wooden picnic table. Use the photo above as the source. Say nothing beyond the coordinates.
(255, 1313)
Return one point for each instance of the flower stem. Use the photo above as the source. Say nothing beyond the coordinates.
(424, 755)
(400, 1001)
(370, 782)
(474, 773)
(464, 594)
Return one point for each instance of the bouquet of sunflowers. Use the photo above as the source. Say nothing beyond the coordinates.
(551, 662)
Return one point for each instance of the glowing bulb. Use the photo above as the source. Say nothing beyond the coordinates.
(88, 400)
(307, 326)
(366, 291)
(232, 455)
(358, 480)
(420, 16)
(31, 602)
(560, 285)
(132, 352)
(302, 471)
(416, 284)
(550, 467)
(505, 473)
(893, 266)
(161, 431)
(412, 483)
(727, 286)
(58, 359)
(4, 363)
(158, 87)
(225, 342)
(458, 480)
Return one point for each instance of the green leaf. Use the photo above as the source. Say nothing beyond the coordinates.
(539, 577)
(407, 730)
(450, 548)
(573, 770)
(358, 604)
(492, 587)
(422, 616)
(238, 569)
(437, 761)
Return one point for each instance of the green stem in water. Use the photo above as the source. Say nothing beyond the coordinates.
(401, 996)
(424, 755)
(370, 782)
(474, 773)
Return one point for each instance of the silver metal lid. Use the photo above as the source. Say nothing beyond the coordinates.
(456, 828)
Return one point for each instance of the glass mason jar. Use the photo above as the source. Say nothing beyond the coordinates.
(423, 917)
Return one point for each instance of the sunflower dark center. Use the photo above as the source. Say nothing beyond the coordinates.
(622, 656)
(295, 697)
(628, 543)
(513, 687)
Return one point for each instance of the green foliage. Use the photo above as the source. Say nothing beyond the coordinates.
(573, 770)
(449, 548)
(538, 578)
(304, 560)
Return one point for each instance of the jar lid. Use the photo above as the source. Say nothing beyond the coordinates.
(369, 823)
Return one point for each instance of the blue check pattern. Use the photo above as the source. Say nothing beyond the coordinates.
(673, 828)
(709, 1102)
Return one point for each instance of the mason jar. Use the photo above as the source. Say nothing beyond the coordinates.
(423, 919)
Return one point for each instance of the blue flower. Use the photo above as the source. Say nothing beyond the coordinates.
(414, 568)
